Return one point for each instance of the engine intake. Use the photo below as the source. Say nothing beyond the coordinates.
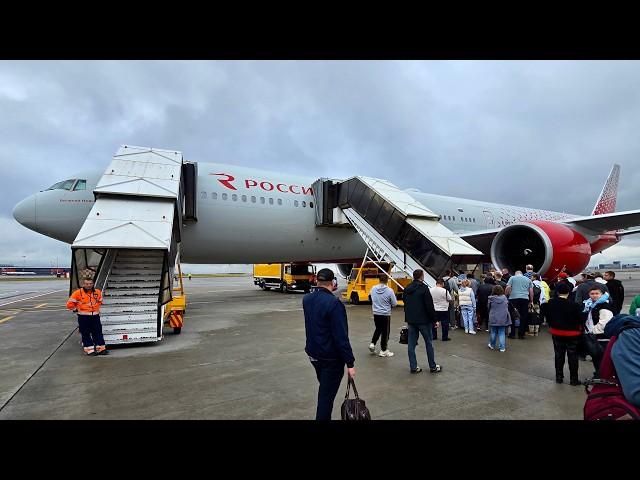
(548, 246)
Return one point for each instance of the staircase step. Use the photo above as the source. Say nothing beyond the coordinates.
(132, 308)
(129, 277)
(127, 292)
(126, 328)
(136, 266)
(120, 317)
(124, 284)
(133, 338)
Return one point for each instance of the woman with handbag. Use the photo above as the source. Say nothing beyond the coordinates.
(598, 313)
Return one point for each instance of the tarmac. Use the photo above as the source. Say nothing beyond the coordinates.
(241, 356)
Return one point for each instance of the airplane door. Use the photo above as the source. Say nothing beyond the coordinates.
(489, 218)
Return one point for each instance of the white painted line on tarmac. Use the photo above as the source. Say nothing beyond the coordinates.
(35, 296)
(221, 291)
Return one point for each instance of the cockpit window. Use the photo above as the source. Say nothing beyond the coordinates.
(64, 185)
(80, 185)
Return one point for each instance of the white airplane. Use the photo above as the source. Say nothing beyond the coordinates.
(254, 216)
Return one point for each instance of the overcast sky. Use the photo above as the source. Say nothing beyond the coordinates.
(531, 133)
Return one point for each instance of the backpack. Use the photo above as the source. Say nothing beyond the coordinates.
(537, 291)
(605, 398)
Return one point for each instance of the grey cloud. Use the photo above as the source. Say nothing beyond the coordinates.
(540, 134)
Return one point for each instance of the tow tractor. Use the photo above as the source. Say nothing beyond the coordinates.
(362, 279)
(174, 310)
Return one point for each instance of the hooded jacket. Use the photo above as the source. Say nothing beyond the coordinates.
(418, 304)
(382, 299)
(484, 292)
(498, 306)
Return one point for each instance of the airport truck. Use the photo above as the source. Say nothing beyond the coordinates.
(285, 277)
(362, 279)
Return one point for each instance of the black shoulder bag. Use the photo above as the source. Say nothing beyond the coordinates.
(354, 408)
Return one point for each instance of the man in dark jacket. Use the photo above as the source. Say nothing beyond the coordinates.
(616, 291)
(482, 301)
(328, 347)
(566, 324)
(420, 314)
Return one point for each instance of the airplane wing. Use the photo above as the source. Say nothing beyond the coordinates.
(622, 233)
(607, 222)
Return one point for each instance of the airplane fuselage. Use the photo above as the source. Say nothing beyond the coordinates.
(249, 216)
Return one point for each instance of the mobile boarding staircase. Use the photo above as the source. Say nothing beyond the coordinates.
(131, 239)
(394, 226)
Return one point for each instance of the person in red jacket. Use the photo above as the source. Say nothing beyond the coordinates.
(86, 303)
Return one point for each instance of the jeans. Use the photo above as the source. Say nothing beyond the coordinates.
(383, 326)
(568, 345)
(443, 318)
(425, 330)
(500, 332)
(90, 330)
(329, 373)
(467, 317)
(522, 306)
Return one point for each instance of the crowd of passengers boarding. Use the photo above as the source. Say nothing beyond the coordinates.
(583, 317)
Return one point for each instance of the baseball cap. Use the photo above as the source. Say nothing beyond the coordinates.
(563, 275)
(325, 275)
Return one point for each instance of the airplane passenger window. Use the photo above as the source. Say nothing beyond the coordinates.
(311, 204)
(80, 185)
(214, 195)
(295, 203)
(244, 198)
(454, 218)
(279, 201)
(234, 197)
(262, 200)
(64, 185)
(224, 196)
(304, 204)
(271, 201)
(253, 199)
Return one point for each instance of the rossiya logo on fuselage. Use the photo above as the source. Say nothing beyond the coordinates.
(230, 182)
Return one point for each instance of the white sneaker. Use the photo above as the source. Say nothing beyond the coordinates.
(385, 353)
(472, 332)
(491, 347)
(466, 331)
(372, 348)
(502, 349)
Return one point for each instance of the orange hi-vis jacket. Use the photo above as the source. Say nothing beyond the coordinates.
(85, 303)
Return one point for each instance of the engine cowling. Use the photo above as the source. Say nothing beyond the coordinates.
(548, 246)
(345, 269)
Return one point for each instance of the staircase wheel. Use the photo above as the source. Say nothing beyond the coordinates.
(355, 299)
(177, 330)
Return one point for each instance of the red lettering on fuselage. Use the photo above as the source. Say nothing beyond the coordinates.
(263, 185)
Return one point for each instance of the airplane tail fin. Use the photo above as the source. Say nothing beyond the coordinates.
(607, 200)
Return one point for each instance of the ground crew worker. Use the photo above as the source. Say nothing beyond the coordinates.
(86, 302)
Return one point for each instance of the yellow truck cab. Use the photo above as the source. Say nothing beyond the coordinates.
(362, 279)
(285, 277)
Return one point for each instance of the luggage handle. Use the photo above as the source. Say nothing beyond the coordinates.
(355, 390)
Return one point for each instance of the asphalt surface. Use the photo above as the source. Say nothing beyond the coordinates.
(241, 356)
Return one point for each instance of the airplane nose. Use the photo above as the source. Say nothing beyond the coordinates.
(25, 212)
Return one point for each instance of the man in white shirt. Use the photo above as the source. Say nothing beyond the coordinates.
(441, 301)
